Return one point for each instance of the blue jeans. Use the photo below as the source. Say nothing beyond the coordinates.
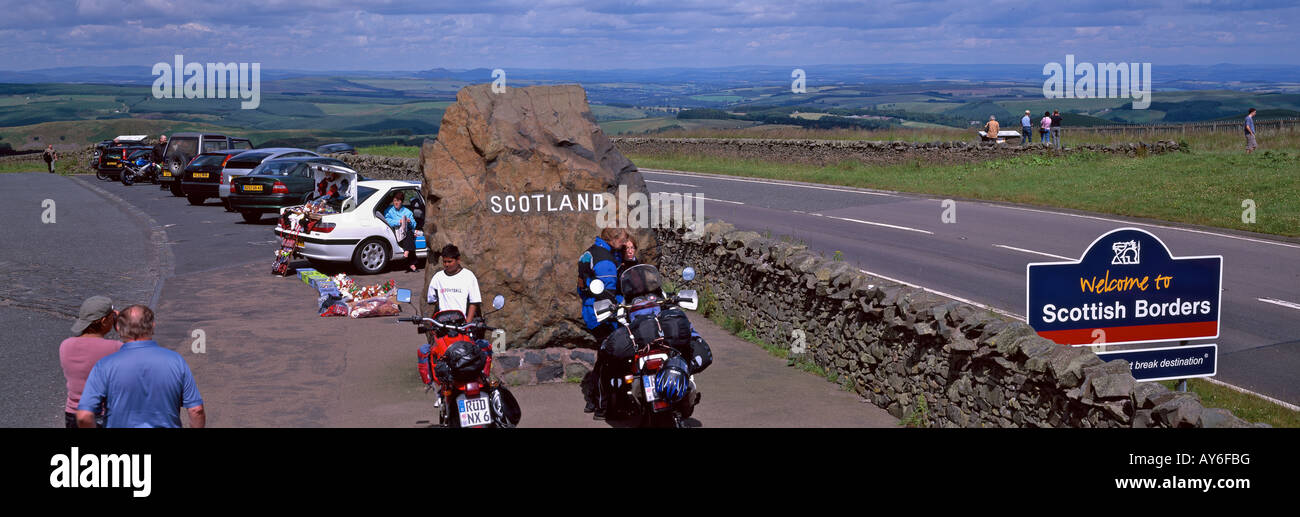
(1026, 135)
(1045, 137)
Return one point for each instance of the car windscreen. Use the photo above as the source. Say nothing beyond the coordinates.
(241, 144)
(276, 168)
(208, 160)
(329, 161)
(246, 160)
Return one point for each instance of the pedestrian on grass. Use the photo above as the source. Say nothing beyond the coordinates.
(77, 355)
(1045, 128)
(142, 384)
(1056, 127)
(50, 156)
(1026, 129)
(1249, 127)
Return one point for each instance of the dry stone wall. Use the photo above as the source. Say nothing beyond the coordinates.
(898, 346)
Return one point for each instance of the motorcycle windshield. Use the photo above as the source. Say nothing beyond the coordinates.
(639, 280)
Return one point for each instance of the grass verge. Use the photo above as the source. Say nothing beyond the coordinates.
(1244, 405)
(1203, 188)
(400, 151)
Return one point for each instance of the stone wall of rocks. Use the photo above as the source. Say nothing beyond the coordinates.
(522, 366)
(382, 167)
(898, 346)
(823, 152)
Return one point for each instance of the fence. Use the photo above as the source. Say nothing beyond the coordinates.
(1138, 130)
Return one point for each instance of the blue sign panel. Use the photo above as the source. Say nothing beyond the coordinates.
(1126, 288)
(1175, 362)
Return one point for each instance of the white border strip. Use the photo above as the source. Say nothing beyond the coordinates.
(1284, 303)
(1022, 250)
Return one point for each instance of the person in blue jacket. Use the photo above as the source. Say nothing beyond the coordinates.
(600, 261)
(399, 218)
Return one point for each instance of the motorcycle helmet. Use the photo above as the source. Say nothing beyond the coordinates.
(673, 381)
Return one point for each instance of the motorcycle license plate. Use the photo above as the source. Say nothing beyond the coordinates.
(473, 411)
(649, 383)
(252, 188)
(200, 175)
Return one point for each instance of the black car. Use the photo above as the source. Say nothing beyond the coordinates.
(336, 149)
(275, 184)
(200, 179)
(108, 165)
(183, 147)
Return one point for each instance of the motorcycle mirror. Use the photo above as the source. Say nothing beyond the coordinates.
(404, 295)
(597, 286)
(498, 302)
(603, 309)
(688, 274)
(688, 299)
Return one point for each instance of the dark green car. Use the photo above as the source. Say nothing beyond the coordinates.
(275, 184)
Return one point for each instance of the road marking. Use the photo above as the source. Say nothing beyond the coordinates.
(1107, 219)
(720, 200)
(1284, 303)
(775, 183)
(946, 295)
(1031, 251)
(894, 226)
(671, 183)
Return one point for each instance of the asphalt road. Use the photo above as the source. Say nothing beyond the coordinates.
(101, 241)
(981, 257)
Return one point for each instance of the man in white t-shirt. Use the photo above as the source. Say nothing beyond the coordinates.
(454, 288)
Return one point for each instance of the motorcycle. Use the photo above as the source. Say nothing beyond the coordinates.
(140, 169)
(653, 349)
(465, 398)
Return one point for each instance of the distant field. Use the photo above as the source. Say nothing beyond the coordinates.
(651, 125)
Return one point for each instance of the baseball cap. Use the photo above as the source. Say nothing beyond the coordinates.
(92, 310)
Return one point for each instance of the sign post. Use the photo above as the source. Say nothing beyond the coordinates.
(1128, 288)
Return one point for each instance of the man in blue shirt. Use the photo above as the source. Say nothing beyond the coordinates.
(142, 384)
(1026, 129)
(1250, 131)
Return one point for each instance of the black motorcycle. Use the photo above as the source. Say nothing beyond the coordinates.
(137, 167)
(654, 352)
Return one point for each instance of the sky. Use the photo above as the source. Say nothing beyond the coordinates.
(582, 34)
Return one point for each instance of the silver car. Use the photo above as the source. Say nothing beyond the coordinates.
(244, 163)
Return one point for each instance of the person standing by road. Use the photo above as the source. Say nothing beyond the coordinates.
(454, 288)
(599, 262)
(156, 154)
(1249, 127)
(1026, 129)
(50, 156)
(1045, 129)
(77, 355)
(402, 221)
(1056, 127)
(142, 384)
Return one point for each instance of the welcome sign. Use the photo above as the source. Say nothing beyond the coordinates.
(1126, 288)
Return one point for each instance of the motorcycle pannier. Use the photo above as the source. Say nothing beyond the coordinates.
(464, 360)
(646, 330)
(619, 344)
(676, 327)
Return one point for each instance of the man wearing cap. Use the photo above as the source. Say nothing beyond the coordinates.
(143, 384)
(79, 354)
(1026, 129)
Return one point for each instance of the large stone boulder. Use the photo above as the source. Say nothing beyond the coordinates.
(523, 141)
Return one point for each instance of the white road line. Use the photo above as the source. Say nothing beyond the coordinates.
(1284, 303)
(1135, 223)
(671, 183)
(894, 226)
(1022, 250)
(946, 295)
(720, 200)
(775, 183)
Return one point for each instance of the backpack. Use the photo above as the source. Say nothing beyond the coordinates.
(676, 328)
(462, 362)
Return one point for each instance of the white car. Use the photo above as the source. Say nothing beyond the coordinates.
(359, 234)
(244, 163)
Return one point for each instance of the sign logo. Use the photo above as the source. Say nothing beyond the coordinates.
(1098, 81)
(1156, 297)
(1126, 253)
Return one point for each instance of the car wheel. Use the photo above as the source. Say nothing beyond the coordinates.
(371, 256)
(251, 216)
(99, 173)
(176, 189)
(196, 200)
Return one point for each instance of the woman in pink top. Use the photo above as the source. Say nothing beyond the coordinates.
(79, 354)
(1045, 128)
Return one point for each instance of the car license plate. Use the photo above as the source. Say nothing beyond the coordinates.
(200, 175)
(252, 188)
(473, 412)
(167, 173)
(649, 383)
